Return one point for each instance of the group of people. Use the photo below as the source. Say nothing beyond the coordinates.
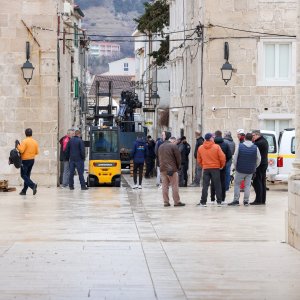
(216, 155)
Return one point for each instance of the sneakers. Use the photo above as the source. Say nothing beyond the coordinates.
(84, 188)
(179, 204)
(246, 203)
(135, 186)
(139, 187)
(234, 203)
(167, 204)
(219, 204)
(202, 204)
(22, 193)
(34, 189)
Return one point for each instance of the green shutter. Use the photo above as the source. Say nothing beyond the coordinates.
(75, 35)
(76, 88)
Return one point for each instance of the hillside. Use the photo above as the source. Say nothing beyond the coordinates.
(110, 17)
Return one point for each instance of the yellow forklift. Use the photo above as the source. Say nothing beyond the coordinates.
(104, 145)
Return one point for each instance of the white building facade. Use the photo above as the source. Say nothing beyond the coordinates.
(150, 81)
(124, 67)
(262, 51)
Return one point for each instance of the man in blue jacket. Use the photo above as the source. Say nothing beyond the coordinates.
(246, 159)
(76, 155)
(139, 154)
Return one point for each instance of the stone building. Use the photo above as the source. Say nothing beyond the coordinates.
(260, 37)
(47, 103)
(293, 224)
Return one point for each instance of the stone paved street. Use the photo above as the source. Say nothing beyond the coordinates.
(111, 243)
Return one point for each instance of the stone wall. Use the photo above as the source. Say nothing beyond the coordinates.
(34, 105)
(293, 218)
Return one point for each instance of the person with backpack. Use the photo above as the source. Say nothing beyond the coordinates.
(28, 149)
(63, 157)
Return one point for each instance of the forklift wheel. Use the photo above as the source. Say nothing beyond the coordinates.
(117, 182)
(91, 182)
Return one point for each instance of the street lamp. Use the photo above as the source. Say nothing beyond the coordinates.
(227, 67)
(27, 68)
(155, 99)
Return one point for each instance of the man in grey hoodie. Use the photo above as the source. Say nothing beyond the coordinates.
(245, 160)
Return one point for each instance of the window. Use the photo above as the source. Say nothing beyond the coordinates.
(104, 141)
(271, 141)
(293, 146)
(276, 62)
(75, 35)
(126, 68)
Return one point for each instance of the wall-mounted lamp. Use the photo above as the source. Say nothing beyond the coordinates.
(155, 99)
(227, 67)
(27, 68)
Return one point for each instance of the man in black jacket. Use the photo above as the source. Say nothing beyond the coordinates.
(76, 155)
(228, 154)
(150, 160)
(259, 181)
(185, 149)
(198, 169)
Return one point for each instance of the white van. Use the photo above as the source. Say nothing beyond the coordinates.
(272, 139)
(281, 154)
(286, 153)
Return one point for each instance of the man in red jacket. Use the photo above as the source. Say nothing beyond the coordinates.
(211, 158)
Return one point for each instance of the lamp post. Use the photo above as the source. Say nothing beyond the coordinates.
(227, 67)
(155, 98)
(27, 68)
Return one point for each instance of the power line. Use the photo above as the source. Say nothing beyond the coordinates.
(251, 31)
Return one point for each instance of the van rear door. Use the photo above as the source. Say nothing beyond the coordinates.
(271, 137)
(286, 154)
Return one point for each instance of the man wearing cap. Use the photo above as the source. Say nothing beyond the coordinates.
(169, 159)
(198, 169)
(211, 157)
(241, 135)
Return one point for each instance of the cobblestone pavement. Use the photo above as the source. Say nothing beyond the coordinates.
(119, 243)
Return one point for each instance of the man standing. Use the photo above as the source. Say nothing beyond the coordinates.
(226, 150)
(212, 159)
(184, 149)
(198, 169)
(228, 139)
(63, 157)
(159, 142)
(259, 181)
(169, 158)
(139, 155)
(150, 160)
(76, 155)
(246, 159)
(28, 148)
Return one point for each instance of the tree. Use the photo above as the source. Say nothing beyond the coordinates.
(154, 20)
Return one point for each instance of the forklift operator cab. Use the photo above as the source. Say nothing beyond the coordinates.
(104, 164)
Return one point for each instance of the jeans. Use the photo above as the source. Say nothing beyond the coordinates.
(66, 174)
(198, 174)
(238, 178)
(222, 180)
(183, 175)
(214, 176)
(79, 165)
(138, 167)
(158, 176)
(227, 175)
(25, 174)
